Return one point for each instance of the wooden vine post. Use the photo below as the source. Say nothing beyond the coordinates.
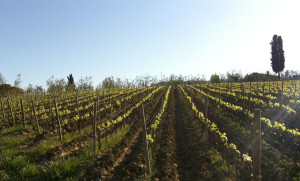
(99, 136)
(125, 102)
(35, 116)
(256, 145)
(257, 89)
(110, 104)
(206, 118)
(2, 107)
(77, 105)
(50, 113)
(94, 127)
(58, 121)
(103, 97)
(98, 103)
(147, 159)
(11, 112)
(219, 95)
(23, 113)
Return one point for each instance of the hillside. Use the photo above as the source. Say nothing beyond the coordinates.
(8, 90)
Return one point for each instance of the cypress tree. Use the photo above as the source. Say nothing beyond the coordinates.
(71, 83)
(277, 59)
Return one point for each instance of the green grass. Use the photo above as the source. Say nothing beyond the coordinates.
(13, 162)
(45, 145)
(13, 130)
(65, 168)
(10, 158)
(20, 165)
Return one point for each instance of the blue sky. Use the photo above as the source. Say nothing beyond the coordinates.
(129, 38)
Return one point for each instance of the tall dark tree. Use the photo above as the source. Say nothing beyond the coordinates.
(71, 84)
(277, 59)
(70, 79)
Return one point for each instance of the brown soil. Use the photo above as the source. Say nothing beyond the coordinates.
(193, 164)
(115, 164)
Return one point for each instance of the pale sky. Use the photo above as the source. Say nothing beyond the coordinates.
(129, 38)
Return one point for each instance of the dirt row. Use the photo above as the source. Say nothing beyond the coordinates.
(178, 153)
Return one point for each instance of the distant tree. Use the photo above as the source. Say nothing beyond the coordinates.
(234, 75)
(70, 79)
(2, 79)
(248, 78)
(57, 85)
(30, 89)
(18, 81)
(71, 84)
(277, 59)
(119, 83)
(222, 78)
(108, 82)
(287, 74)
(34, 90)
(214, 78)
(85, 84)
(38, 89)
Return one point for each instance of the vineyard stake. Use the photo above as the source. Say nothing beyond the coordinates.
(103, 97)
(125, 102)
(50, 113)
(256, 145)
(11, 112)
(35, 116)
(77, 105)
(219, 94)
(94, 127)
(147, 159)
(99, 139)
(3, 113)
(58, 121)
(28, 104)
(206, 117)
(23, 113)
(257, 89)
(110, 104)
(98, 103)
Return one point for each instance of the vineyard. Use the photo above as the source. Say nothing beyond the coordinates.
(171, 132)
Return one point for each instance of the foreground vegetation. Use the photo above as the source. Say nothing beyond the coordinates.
(199, 131)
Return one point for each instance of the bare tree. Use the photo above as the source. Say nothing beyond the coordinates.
(85, 84)
(30, 89)
(34, 90)
(2, 79)
(234, 75)
(108, 82)
(18, 81)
